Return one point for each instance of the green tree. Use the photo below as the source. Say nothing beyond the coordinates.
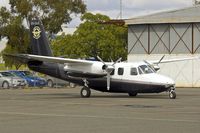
(68, 46)
(18, 41)
(14, 21)
(93, 38)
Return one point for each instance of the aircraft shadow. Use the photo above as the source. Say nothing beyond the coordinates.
(77, 96)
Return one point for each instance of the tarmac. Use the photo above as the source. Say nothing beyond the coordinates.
(64, 111)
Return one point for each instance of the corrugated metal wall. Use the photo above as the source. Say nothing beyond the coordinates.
(174, 40)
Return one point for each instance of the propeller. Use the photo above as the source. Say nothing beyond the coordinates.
(155, 66)
(108, 69)
(161, 59)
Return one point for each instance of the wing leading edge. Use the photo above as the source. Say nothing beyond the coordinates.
(56, 59)
(174, 60)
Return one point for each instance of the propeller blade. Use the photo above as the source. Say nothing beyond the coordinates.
(147, 62)
(101, 60)
(108, 81)
(151, 65)
(161, 59)
(111, 60)
(117, 61)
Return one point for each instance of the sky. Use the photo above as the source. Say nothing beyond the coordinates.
(130, 8)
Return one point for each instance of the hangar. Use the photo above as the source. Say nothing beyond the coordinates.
(175, 34)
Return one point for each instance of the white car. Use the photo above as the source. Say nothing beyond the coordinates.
(8, 80)
(55, 82)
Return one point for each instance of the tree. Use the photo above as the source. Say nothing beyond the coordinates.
(18, 41)
(52, 13)
(69, 46)
(93, 38)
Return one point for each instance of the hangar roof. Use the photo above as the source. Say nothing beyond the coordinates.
(185, 15)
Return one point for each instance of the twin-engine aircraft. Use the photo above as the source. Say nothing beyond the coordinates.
(112, 77)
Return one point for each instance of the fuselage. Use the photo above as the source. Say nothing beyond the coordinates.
(127, 77)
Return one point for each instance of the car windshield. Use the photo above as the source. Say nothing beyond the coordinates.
(146, 69)
(7, 74)
(16, 73)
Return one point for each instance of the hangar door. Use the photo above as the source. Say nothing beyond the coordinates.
(164, 39)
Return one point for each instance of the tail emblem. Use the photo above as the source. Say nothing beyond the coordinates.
(36, 32)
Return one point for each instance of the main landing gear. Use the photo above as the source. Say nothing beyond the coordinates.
(172, 93)
(85, 92)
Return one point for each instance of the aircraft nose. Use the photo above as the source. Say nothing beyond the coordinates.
(160, 79)
(168, 81)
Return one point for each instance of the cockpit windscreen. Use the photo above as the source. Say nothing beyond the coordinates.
(146, 69)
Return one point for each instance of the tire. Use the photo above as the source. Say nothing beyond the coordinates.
(132, 94)
(85, 92)
(50, 83)
(172, 95)
(5, 85)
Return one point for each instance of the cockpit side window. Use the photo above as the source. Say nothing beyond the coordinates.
(120, 71)
(134, 71)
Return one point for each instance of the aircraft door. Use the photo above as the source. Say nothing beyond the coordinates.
(117, 77)
(129, 77)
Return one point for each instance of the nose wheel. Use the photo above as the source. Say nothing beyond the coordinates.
(85, 92)
(172, 93)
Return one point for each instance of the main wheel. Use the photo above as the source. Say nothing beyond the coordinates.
(5, 85)
(50, 83)
(132, 94)
(85, 92)
(172, 95)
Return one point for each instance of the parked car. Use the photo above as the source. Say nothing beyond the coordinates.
(32, 80)
(8, 80)
(55, 82)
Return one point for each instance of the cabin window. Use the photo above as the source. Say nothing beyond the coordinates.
(134, 71)
(113, 72)
(120, 71)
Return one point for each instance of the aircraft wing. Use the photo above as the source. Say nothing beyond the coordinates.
(56, 59)
(17, 57)
(173, 60)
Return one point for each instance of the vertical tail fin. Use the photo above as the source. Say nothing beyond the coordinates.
(39, 41)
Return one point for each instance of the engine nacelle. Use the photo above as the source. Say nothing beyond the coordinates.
(104, 67)
(156, 67)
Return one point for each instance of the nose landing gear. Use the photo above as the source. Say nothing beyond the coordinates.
(172, 93)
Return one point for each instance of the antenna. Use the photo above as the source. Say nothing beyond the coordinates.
(120, 9)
